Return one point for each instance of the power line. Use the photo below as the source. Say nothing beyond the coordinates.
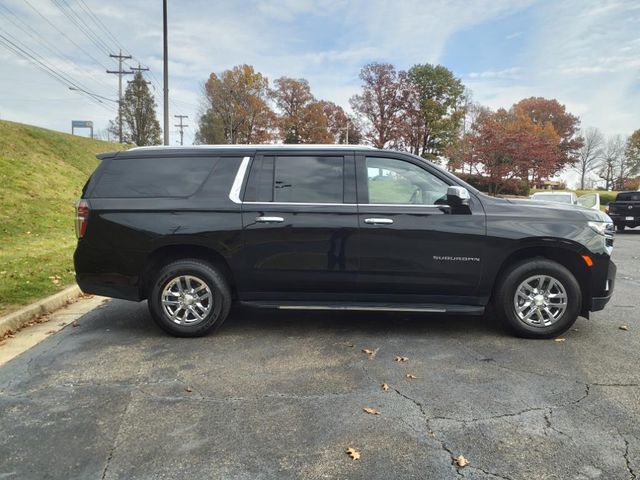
(31, 32)
(43, 66)
(96, 20)
(74, 18)
(66, 36)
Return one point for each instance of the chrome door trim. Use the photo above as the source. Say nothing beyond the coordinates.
(269, 219)
(378, 221)
(236, 188)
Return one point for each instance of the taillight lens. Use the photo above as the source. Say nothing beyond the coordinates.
(82, 217)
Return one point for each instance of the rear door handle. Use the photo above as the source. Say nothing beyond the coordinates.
(269, 219)
(378, 221)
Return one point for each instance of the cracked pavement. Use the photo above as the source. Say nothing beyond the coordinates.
(280, 395)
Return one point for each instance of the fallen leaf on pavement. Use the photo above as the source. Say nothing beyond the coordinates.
(559, 339)
(385, 387)
(401, 359)
(353, 453)
(188, 389)
(51, 332)
(371, 411)
(371, 353)
(461, 461)
(623, 327)
(411, 376)
(75, 324)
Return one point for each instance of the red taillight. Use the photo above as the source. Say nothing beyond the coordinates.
(82, 217)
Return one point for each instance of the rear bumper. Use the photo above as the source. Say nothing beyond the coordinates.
(621, 220)
(106, 272)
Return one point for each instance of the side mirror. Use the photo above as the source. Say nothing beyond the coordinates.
(457, 196)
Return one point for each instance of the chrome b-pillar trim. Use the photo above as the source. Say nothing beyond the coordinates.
(236, 187)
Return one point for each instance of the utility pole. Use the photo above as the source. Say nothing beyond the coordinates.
(120, 73)
(166, 74)
(181, 126)
(139, 68)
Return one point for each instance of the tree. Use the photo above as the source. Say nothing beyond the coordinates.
(293, 98)
(508, 145)
(341, 127)
(138, 109)
(459, 152)
(237, 99)
(544, 111)
(632, 152)
(313, 126)
(210, 129)
(612, 155)
(380, 103)
(434, 106)
(590, 153)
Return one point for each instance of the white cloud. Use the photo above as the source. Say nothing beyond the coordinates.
(585, 53)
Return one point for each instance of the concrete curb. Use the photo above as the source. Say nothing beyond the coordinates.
(16, 320)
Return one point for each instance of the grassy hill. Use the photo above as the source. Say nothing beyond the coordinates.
(42, 173)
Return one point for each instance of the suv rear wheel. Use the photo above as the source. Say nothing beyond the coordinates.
(189, 298)
(538, 298)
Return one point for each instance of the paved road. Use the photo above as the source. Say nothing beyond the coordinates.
(281, 396)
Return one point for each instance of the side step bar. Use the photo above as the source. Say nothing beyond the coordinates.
(365, 306)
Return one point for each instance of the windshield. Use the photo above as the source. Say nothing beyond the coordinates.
(552, 198)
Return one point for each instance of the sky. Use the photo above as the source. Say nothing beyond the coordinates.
(584, 53)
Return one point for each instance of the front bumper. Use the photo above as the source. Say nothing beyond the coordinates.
(598, 303)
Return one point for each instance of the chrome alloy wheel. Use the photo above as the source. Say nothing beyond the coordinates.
(540, 301)
(187, 300)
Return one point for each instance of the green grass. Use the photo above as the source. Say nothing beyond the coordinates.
(41, 176)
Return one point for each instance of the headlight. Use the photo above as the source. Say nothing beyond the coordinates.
(605, 229)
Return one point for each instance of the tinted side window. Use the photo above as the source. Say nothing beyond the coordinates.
(260, 183)
(398, 182)
(153, 177)
(309, 179)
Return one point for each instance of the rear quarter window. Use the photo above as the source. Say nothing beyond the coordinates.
(628, 197)
(152, 177)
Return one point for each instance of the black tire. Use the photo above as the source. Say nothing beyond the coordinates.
(511, 281)
(620, 228)
(203, 272)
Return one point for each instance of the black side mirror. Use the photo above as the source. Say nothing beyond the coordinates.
(457, 196)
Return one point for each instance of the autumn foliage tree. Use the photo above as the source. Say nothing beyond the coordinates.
(342, 127)
(237, 101)
(380, 103)
(509, 145)
(302, 118)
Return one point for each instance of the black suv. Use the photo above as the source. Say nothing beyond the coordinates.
(330, 228)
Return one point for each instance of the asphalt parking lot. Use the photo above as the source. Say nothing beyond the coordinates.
(281, 395)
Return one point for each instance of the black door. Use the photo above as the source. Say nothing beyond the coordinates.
(299, 227)
(412, 246)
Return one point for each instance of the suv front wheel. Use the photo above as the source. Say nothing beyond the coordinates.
(189, 298)
(538, 298)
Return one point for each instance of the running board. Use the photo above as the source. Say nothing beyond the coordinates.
(365, 306)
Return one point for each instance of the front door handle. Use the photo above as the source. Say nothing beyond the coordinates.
(269, 219)
(378, 221)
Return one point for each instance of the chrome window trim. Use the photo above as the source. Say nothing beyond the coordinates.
(236, 187)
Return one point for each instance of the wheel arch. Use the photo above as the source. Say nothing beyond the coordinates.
(568, 257)
(170, 253)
